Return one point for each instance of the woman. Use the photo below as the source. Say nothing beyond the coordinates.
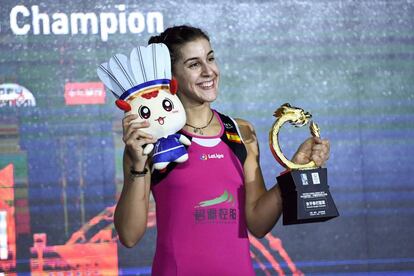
(206, 205)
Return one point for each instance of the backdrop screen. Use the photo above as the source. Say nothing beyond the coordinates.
(350, 63)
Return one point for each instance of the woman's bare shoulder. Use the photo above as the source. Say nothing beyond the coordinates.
(246, 130)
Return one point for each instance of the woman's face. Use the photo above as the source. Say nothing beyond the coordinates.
(196, 72)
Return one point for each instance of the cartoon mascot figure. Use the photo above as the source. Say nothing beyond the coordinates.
(143, 85)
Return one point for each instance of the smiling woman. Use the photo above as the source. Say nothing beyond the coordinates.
(206, 205)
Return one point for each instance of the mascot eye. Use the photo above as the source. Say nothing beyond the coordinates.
(144, 112)
(167, 105)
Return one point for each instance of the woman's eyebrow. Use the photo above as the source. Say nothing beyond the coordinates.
(195, 58)
(190, 59)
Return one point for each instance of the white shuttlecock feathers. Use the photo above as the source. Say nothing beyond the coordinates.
(147, 68)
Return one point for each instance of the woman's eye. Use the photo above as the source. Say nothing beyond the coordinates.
(211, 59)
(167, 105)
(144, 112)
(194, 65)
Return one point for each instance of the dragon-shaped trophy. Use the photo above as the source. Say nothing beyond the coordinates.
(305, 191)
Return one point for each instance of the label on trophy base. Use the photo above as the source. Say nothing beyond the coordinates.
(306, 197)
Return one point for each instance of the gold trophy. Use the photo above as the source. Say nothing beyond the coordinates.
(305, 191)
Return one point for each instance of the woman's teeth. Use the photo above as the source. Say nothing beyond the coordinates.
(207, 84)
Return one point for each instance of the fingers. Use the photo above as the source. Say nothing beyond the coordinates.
(135, 143)
(136, 139)
(133, 135)
(128, 118)
(320, 151)
(318, 159)
(130, 126)
(134, 128)
(313, 149)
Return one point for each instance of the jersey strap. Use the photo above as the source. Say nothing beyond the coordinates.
(232, 137)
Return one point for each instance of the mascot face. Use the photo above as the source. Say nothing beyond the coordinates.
(161, 109)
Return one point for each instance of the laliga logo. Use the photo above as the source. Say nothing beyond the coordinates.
(12, 94)
(205, 157)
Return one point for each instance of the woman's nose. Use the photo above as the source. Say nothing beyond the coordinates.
(206, 69)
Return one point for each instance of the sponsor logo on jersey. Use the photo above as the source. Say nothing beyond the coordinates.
(15, 95)
(203, 157)
(206, 157)
(228, 125)
(225, 197)
(220, 209)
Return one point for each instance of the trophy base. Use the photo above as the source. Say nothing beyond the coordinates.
(306, 197)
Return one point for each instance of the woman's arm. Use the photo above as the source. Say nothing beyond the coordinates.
(264, 207)
(131, 211)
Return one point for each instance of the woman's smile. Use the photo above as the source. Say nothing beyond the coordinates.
(206, 84)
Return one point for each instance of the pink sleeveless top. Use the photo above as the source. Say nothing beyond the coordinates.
(201, 227)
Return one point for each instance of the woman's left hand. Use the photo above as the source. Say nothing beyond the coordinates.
(313, 149)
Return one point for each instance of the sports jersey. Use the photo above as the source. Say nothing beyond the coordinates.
(201, 226)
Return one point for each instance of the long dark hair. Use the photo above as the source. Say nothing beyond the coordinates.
(176, 36)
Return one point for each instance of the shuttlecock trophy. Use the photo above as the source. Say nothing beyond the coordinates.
(143, 85)
(305, 191)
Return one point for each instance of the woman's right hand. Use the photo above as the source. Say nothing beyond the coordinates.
(135, 139)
